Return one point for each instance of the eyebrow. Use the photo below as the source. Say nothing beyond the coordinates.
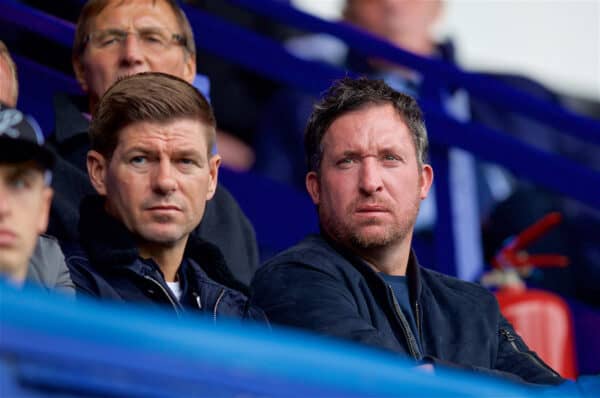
(25, 170)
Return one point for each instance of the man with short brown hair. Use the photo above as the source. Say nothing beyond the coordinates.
(152, 165)
(360, 279)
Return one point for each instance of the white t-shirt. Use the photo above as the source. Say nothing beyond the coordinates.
(175, 288)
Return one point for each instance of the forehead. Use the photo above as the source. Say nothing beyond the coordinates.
(179, 134)
(371, 127)
(122, 13)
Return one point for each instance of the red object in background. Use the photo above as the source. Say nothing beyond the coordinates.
(545, 323)
(514, 255)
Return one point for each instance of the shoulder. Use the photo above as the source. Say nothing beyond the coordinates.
(46, 262)
(311, 253)
(523, 83)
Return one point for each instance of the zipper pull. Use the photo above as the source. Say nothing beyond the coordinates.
(508, 335)
(198, 301)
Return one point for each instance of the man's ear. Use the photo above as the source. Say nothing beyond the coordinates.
(213, 173)
(312, 186)
(44, 215)
(79, 70)
(426, 180)
(97, 165)
(189, 68)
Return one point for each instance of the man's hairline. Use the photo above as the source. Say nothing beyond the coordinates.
(366, 105)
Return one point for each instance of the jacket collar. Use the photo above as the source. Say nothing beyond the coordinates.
(108, 244)
(413, 270)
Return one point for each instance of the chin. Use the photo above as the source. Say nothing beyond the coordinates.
(373, 237)
(162, 236)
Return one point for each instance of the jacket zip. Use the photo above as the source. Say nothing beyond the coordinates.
(418, 316)
(410, 339)
(511, 339)
(175, 305)
(217, 304)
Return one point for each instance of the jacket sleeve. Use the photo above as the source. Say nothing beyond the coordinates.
(514, 360)
(47, 266)
(296, 295)
(515, 357)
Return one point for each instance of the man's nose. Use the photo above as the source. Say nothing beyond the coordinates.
(131, 50)
(370, 176)
(164, 180)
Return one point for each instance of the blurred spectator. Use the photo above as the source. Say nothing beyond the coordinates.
(115, 39)
(25, 196)
(9, 84)
(46, 265)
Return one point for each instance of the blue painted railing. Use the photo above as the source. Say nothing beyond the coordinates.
(52, 344)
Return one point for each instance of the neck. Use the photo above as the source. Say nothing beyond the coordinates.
(417, 44)
(391, 259)
(168, 258)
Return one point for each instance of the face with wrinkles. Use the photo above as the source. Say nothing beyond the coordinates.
(99, 67)
(370, 184)
(158, 179)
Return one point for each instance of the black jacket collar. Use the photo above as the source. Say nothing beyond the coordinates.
(413, 273)
(108, 243)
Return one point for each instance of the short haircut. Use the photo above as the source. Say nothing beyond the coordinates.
(12, 68)
(93, 8)
(351, 94)
(147, 97)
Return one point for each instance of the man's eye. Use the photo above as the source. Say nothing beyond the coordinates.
(138, 160)
(153, 38)
(20, 183)
(345, 162)
(107, 40)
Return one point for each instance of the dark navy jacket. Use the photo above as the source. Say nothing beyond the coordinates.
(108, 266)
(317, 286)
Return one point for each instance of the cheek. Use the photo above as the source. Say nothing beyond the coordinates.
(99, 75)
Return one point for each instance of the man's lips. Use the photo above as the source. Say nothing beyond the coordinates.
(372, 209)
(7, 237)
(165, 208)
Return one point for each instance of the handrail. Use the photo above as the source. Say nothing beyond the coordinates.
(480, 86)
(48, 26)
(116, 349)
